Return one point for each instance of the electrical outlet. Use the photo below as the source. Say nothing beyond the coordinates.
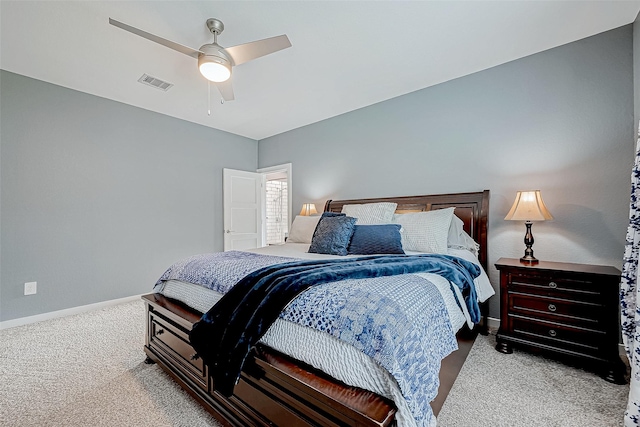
(30, 288)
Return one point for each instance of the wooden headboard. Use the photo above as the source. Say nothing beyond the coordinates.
(471, 208)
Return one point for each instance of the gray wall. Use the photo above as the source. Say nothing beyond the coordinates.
(98, 198)
(560, 121)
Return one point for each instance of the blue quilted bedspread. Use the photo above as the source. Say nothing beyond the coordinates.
(219, 271)
(395, 319)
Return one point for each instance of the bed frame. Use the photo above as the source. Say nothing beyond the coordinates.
(277, 390)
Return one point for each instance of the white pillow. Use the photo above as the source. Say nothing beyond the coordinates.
(371, 213)
(459, 239)
(302, 229)
(425, 231)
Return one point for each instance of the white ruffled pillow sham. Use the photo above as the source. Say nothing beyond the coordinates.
(459, 239)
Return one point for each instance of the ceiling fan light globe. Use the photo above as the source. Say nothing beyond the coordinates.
(214, 71)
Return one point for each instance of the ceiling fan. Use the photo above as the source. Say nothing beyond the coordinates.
(215, 62)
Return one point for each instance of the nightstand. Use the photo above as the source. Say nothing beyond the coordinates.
(569, 310)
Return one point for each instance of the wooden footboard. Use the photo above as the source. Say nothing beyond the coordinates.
(273, 389)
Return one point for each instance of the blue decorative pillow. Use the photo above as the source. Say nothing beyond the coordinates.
(332, 234)
(376, 239)
(330, 214)
(327, 215)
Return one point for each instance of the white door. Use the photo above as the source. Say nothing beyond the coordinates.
(242, 194)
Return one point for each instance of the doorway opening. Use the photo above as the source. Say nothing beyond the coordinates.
(277, 203)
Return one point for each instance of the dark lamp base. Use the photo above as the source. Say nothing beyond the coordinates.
(529, 260)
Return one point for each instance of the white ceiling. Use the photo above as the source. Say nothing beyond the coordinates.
(346, 55)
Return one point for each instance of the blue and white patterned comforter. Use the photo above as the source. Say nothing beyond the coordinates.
(219, 271)
(399, 321)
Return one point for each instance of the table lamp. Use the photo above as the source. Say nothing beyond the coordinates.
(308, 209)
(528, 207)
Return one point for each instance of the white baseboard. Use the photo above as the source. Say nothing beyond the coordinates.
(493, 324)
(66, 312)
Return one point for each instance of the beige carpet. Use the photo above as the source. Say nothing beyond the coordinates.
(88, 370)
(520, 389)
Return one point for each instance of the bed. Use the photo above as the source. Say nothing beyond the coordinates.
(284, 383)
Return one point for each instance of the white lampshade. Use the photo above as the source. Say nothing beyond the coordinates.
(308, 209)
(528, 206)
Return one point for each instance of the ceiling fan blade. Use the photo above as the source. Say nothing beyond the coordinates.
(246, 52)
(226, 90)
(168, 43)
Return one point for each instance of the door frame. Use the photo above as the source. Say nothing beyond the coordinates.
(287, 168)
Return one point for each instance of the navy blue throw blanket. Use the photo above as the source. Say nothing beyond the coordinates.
(225, 334)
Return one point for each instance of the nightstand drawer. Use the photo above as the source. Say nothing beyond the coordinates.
(558, 335)
(578, 313)
(558, 286)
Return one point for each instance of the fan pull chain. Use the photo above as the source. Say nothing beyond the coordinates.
(209, 97)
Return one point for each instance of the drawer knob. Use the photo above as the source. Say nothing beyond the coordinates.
(194, 356)
(552, 307)
(160, 332)
(553, 285)
(552, 332)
